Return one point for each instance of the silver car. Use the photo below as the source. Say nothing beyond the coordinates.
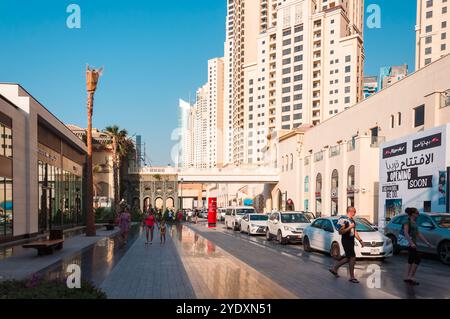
(434, 226)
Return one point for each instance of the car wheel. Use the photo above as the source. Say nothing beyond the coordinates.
(248, 231)
(396, 249)
(268, 236)
(444, 252)
(280, 238)
(306, 245)
(335, 251)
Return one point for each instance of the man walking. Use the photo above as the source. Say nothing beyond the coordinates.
(347, 229)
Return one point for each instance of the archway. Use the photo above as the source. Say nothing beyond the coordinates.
(334, 193)
(159, 203)
(170, 203)
(146, 203)
(135, 204)
(279, 200)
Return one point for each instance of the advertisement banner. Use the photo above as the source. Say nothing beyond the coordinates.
(413, 174)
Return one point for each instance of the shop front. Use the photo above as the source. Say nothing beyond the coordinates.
(60, 184)
(6, 177)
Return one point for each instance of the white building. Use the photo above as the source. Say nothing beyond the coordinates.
(432, 31)
(328, 167)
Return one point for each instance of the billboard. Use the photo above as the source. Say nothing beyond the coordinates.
(413, 173)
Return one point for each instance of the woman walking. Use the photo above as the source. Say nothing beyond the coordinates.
(162, 230)
(150, 227)
(411, 232)
(124, 223)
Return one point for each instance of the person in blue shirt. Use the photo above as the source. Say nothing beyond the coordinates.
(347, 229)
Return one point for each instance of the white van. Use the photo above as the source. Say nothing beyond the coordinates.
(234, 215)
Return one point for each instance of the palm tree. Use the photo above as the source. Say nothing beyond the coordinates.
(120, 144)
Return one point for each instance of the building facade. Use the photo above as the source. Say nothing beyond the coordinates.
(42, 168)
(370, 86)
(333, 165)
(432, 31)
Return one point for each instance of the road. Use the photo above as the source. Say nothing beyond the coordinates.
(305, 274)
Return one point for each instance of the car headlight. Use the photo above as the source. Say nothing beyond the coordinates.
(254, 225)
(289, 228)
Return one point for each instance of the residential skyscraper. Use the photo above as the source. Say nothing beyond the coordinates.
(370, 86)
(432, 31)
(295, 62)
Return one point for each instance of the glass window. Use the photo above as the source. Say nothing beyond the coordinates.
(306, 184)
(259, 217)
(294, 218)
(419, 116)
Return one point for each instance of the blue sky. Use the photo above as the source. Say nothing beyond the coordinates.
(153, 52)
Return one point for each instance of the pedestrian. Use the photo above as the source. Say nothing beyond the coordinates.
(180, 216)
(162, 230)
(410, 231)
(347, 229)
(124, 223)
(196, 215)
(150, 227)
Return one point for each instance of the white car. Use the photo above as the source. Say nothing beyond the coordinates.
(286, 226)
(254, 224)
(234, 215)
(221, 212)
(322, 235)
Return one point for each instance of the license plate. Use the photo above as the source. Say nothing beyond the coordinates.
(374, 251)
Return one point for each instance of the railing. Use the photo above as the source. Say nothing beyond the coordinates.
(318, 156)
(335, 150)
(445, 99)
(376, 141)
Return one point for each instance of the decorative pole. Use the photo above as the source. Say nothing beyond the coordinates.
(92, 77)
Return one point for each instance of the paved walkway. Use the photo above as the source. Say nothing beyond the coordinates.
(149, 272)
(25, 262)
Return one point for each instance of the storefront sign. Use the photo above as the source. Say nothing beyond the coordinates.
(48, 156)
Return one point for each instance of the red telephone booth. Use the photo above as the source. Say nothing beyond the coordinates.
(212, 212)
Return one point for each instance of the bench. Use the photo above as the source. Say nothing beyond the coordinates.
(45, 247)
(110, 226)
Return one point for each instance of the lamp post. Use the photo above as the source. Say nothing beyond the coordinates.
(181, 193)
(92, 77)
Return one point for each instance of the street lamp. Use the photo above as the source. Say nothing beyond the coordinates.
(92, 76)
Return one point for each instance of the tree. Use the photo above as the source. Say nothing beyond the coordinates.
(120, 144)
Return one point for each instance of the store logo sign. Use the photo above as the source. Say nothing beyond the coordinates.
(427, 142)
(396, 150)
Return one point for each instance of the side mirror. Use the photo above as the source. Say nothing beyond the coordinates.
(375, 227)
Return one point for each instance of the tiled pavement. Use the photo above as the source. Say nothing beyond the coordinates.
(186, 267)
(149, 272)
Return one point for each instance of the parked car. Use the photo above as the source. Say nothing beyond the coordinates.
(203, 213)
(311, 217)
(323, 235)
(286, 227)
(254, 224)
(221, 212)
(434, 226)
(234, 215)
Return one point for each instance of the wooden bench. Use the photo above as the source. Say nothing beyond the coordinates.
(45, 247)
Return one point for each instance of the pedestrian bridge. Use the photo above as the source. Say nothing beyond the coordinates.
(226, 175)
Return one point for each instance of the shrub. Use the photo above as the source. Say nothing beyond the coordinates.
(104, 214)
(57, 289)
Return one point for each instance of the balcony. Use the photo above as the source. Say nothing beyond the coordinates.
(445, 99)
(318, 156)
(335, 151)
(376, 141)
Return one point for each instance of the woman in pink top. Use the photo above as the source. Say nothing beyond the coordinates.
(150, 226)
(124, 223)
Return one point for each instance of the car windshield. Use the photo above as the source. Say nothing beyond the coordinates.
(362, 227)
(259, 217)
(293, 218)
(310, 216)
(244, 211)
(442, 221)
